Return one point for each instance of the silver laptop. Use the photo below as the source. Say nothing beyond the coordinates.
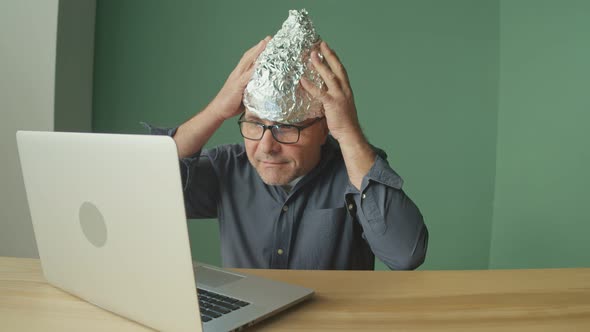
(110, 225)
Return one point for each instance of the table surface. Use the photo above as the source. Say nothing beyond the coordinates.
(482, 300)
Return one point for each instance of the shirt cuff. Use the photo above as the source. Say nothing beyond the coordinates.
(380, 172)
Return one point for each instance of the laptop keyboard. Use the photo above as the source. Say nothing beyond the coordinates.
(213, 305)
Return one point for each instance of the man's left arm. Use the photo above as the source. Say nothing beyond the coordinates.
(392, 224)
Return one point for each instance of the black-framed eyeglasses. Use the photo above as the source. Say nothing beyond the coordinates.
(282, 133)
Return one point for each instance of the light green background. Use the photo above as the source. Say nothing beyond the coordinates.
(542, 194)
(482, 106)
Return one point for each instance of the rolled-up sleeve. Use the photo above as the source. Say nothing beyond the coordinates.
(392, 224)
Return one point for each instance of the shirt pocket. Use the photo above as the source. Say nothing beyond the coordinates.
(325, 223)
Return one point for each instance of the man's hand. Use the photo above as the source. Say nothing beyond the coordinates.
(228, 102)
(192, 135)
(341, 114)
(337, 99)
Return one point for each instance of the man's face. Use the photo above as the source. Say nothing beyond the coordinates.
(279, 164)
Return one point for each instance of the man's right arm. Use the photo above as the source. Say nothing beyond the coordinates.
(192, 135)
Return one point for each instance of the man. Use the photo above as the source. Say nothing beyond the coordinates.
(314, 195)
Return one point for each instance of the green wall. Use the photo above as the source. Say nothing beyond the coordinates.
(541, 214)
(424, 73)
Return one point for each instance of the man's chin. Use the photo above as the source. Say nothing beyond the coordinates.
(273, 182)
(276, 180)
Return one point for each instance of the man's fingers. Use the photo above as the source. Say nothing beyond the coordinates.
(325, 72)
(256, 48)
(309, 87)
(313, 90)
(334, 62)
(252, 54)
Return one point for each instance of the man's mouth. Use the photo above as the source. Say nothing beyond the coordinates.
(271, 163)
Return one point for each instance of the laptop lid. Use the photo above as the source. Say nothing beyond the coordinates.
(109, 222)
(108, 217)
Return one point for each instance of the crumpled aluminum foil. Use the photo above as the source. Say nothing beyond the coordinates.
(274, 93)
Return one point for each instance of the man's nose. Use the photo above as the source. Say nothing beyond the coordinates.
(268, 144)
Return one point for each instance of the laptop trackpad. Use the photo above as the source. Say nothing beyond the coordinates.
(214, 278)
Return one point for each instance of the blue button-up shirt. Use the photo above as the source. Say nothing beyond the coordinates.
(323, 222)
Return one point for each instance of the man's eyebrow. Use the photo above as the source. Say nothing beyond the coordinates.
(257, 119)
(252, 118)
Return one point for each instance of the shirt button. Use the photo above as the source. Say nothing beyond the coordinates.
(350, 206)
(280, 251)
(285, 208)
(364, 196)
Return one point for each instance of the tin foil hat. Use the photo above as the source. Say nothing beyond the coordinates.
(274, 93)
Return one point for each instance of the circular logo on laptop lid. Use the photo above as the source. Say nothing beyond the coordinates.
(93, 224)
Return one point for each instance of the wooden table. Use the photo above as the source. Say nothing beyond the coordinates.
(487, 300)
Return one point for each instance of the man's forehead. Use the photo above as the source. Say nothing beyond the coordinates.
(253, 117)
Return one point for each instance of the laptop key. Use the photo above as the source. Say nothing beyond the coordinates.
(241, 303)
(219, 303)
(205, 318)
(231, 307)
(204, 305)
(224, 298)
(231, 300)
(210, 313)
(219, 309)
